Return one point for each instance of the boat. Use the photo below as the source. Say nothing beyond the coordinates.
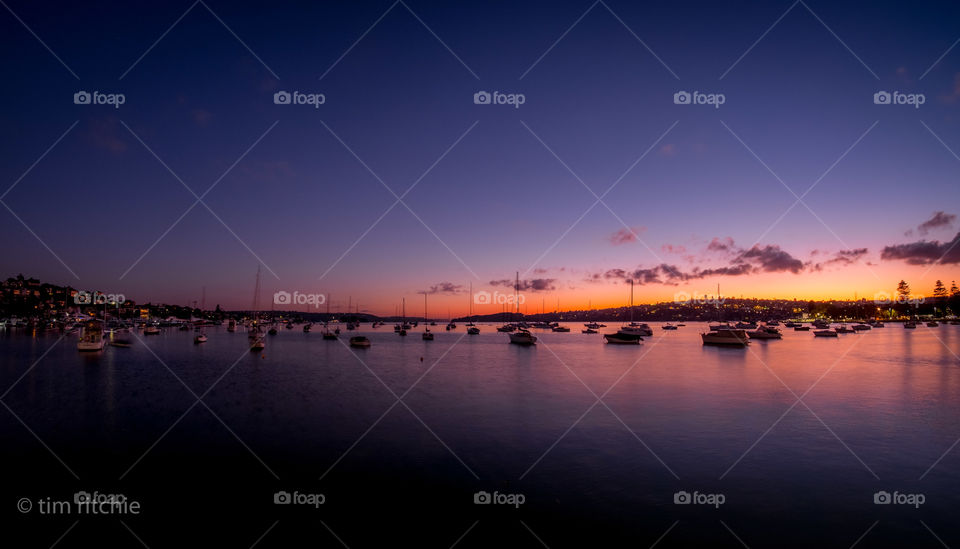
(327, 334)
(792, 324)
(91, 338)
(359, 341)
(745, 326)
(184, 327)
(910, 325)
(232, 325)
(121, 342)
(200, 338)
(427, 334)
(472, 328)
(560, 329)
(151, 329)
(289, 325)
(622, 339)
(403, 325)
(307, 327)
(861, 327)
(726, 336)
(765, 332)
(589, 331)
(723, 326)
(272, 331)
(876, 324)
(773, 323)
(592, 326)
(506, 328)
(842, 329)
(932, 324)
(821, 324)
(955, 322)
(669, 327)
(631, 334)
(523, 337)
(801, 328)
(255, 334)
(825, 333)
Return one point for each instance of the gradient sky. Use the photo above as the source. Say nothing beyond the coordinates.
(498, 201)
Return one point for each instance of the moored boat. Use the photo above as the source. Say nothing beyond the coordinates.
(729, 337)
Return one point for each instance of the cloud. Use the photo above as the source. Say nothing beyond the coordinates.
(447, 288)
(771, 259)
(939, 219)
(529, 285)
(626, 235)
(843, 257)
(671, 249)
(924, 252)
(104, 133)
(720, 245)
(668, 150)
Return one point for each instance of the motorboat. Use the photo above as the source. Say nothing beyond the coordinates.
(724, 326)
(861, 327)
(801, 328)
(121, 342)
(506, 328)
(592, 325)
(257, 344)
(307, 327)
(932, 324)
(473, 330)
(842, 329)
(746, 325)
(523, 337)
(669, 327)
(200, 338)
(729, 337)
(359, 341)
(589, 331)
(151, 329)
(91, 339)
(910, 325)
(560, 329)
(825, 333)
(765, 332)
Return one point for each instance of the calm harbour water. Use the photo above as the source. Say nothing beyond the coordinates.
(881, 414)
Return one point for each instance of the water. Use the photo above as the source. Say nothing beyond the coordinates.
(878, 412)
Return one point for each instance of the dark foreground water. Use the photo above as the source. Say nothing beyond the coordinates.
(880, 412)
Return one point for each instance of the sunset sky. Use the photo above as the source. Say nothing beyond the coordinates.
(692, 195)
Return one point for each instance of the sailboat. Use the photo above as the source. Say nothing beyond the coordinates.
(726, 335)
(521, 336)
(632, 334)
(255, 335)
(471, 327)
(403, 320)
(427, 334)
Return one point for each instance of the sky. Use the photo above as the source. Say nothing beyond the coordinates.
(785, 179)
